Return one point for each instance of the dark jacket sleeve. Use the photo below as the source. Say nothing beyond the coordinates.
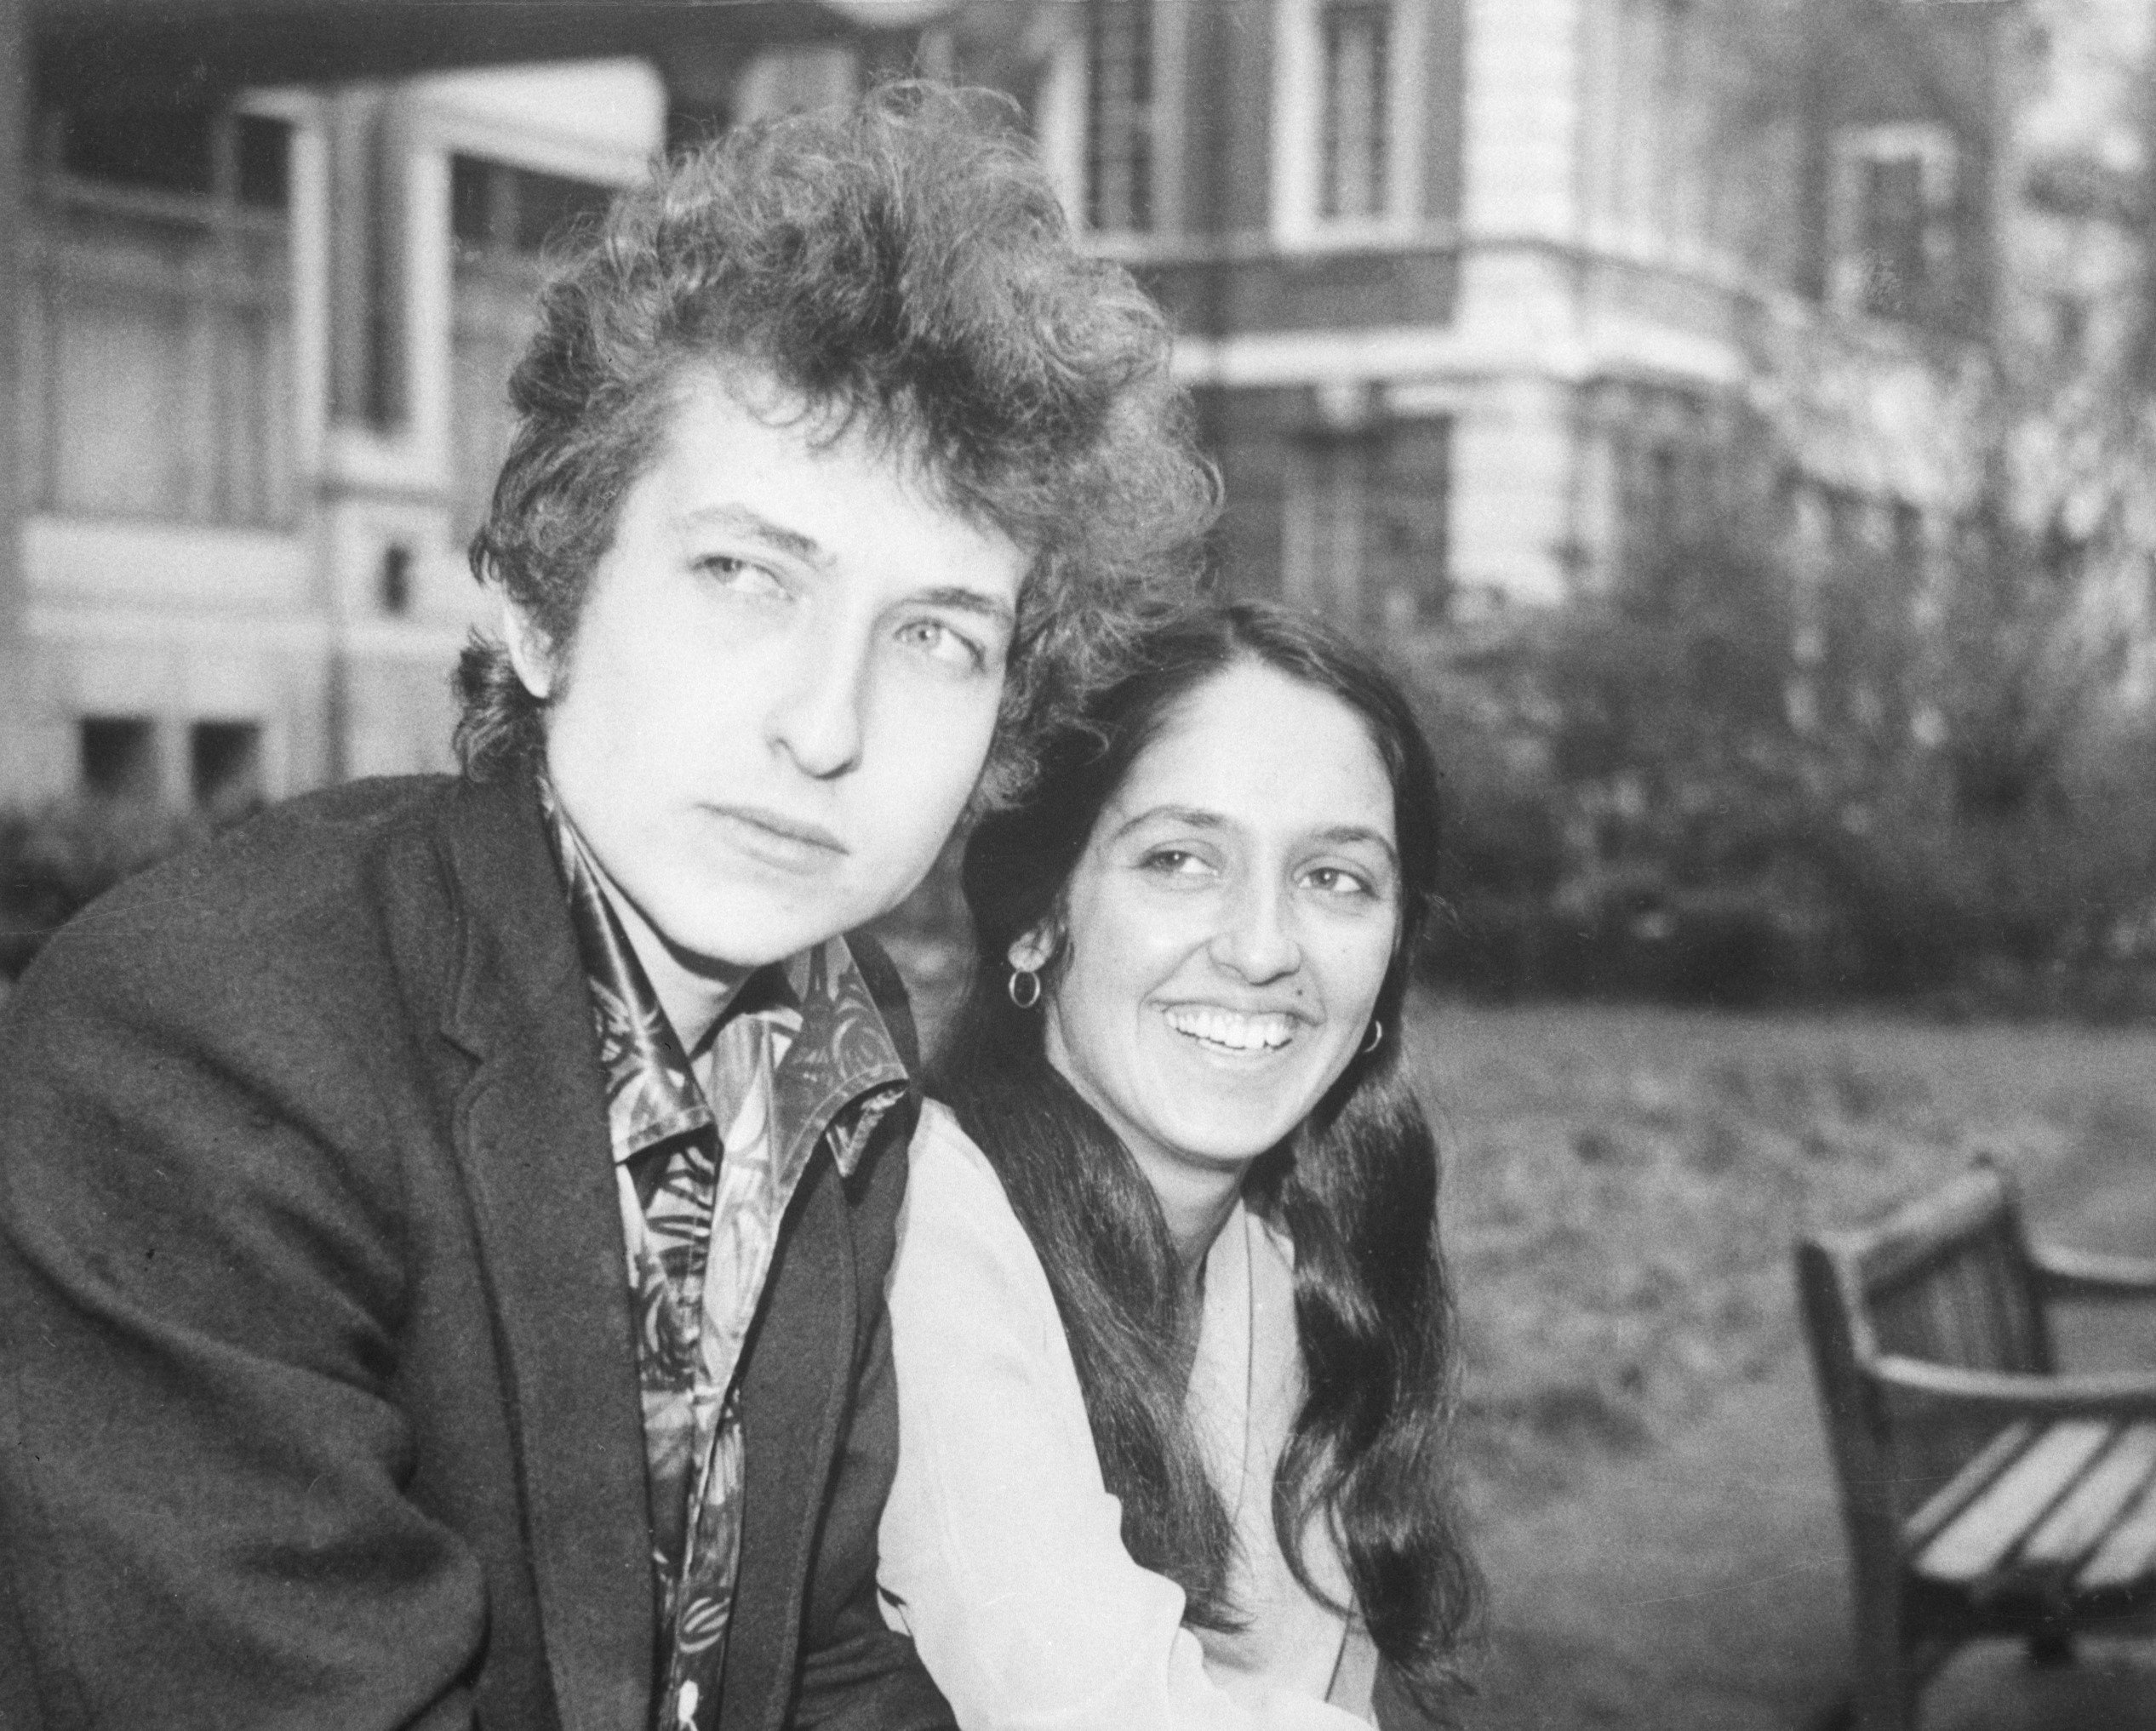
(201, 1516)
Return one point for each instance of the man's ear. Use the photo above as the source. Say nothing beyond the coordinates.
(530, 653)
(1030, 951)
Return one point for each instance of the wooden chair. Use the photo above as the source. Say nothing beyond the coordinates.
(1983, 1492)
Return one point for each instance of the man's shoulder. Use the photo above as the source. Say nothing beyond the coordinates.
(305, 891)
(308, 853)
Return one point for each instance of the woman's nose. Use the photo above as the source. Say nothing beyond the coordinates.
(816, 717)
(1256, 939)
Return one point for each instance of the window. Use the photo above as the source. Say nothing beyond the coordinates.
(225, 767)
(1665, 485)
(1354, 126)
(393, 590)
(1348, 98)
(171, 150)
(1895, 222)
(192, 152)
(262, 162)
(119, 757)
(1647, 165)
(1369, 526)
(1893, 237)
(497, 207)
(157, 319)
(1119, 85)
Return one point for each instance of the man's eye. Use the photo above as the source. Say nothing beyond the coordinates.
(944, 644)
(740, 576)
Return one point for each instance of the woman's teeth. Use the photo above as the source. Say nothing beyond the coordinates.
(1226, 1028)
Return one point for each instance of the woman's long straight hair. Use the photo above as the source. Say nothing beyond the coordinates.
(1354, 1187)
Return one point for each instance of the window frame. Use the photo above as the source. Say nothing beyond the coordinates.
(213, 266)
(1355, 473)
(1299, 218)
(1062, 117)
(1859, 153)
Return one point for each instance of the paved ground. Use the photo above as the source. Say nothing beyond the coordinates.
(1701, 1586)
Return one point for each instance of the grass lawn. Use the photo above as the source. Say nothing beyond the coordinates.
(1621, 1186)
(1640, 1451)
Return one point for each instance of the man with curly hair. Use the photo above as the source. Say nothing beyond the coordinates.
(442, 1226)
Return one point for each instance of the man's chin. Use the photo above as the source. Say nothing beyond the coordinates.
(755, 933)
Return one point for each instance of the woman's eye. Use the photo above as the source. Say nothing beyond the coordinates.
(933, 637)
(1338, 880)
(1175, 862)
(740, 576)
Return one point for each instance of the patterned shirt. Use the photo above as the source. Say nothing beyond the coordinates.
(802, 1057)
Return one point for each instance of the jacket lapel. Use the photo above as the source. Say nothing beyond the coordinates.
(531, 1132)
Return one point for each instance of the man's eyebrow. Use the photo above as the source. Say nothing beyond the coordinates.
(741, 520)
(958, 597)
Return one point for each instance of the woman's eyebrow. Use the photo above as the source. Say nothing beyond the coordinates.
(1189, 816)
(1346, 835)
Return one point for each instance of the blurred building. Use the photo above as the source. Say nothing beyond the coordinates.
(1487, 299)
(1483, 301)
(268, 264)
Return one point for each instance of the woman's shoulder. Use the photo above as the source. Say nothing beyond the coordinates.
(955, 1206)
(944, 1158)
(962, 1249)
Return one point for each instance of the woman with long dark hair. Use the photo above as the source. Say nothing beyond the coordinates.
(1171, 1327)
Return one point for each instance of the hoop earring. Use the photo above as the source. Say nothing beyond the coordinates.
(1376, 1038)
(1024, 987)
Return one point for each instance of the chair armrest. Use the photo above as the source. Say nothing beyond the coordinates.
(2015, 1395)
(2084, 1274)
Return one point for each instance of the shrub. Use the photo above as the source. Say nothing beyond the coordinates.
(57, 859)
(1674, 792)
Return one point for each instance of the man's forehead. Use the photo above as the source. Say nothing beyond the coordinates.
(892, 435)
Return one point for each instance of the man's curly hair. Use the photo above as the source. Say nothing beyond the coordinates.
(902, 268)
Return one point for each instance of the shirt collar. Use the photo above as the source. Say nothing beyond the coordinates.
(842, 1055)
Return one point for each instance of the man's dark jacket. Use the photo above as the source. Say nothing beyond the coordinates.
(318, 1402)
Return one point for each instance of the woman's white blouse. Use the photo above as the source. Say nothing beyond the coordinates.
(1002, 1552)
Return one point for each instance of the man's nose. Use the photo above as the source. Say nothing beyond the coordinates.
(1256, 938)
(817, 717)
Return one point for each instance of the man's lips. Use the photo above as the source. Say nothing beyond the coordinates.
(766, 831)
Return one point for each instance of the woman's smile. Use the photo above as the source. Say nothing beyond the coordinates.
(1231, 1031)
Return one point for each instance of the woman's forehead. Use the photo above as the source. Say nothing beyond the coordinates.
(1255, 745)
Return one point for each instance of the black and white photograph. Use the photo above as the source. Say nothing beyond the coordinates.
(1077, 865)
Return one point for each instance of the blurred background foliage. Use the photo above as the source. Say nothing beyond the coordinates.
(1690, 792)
